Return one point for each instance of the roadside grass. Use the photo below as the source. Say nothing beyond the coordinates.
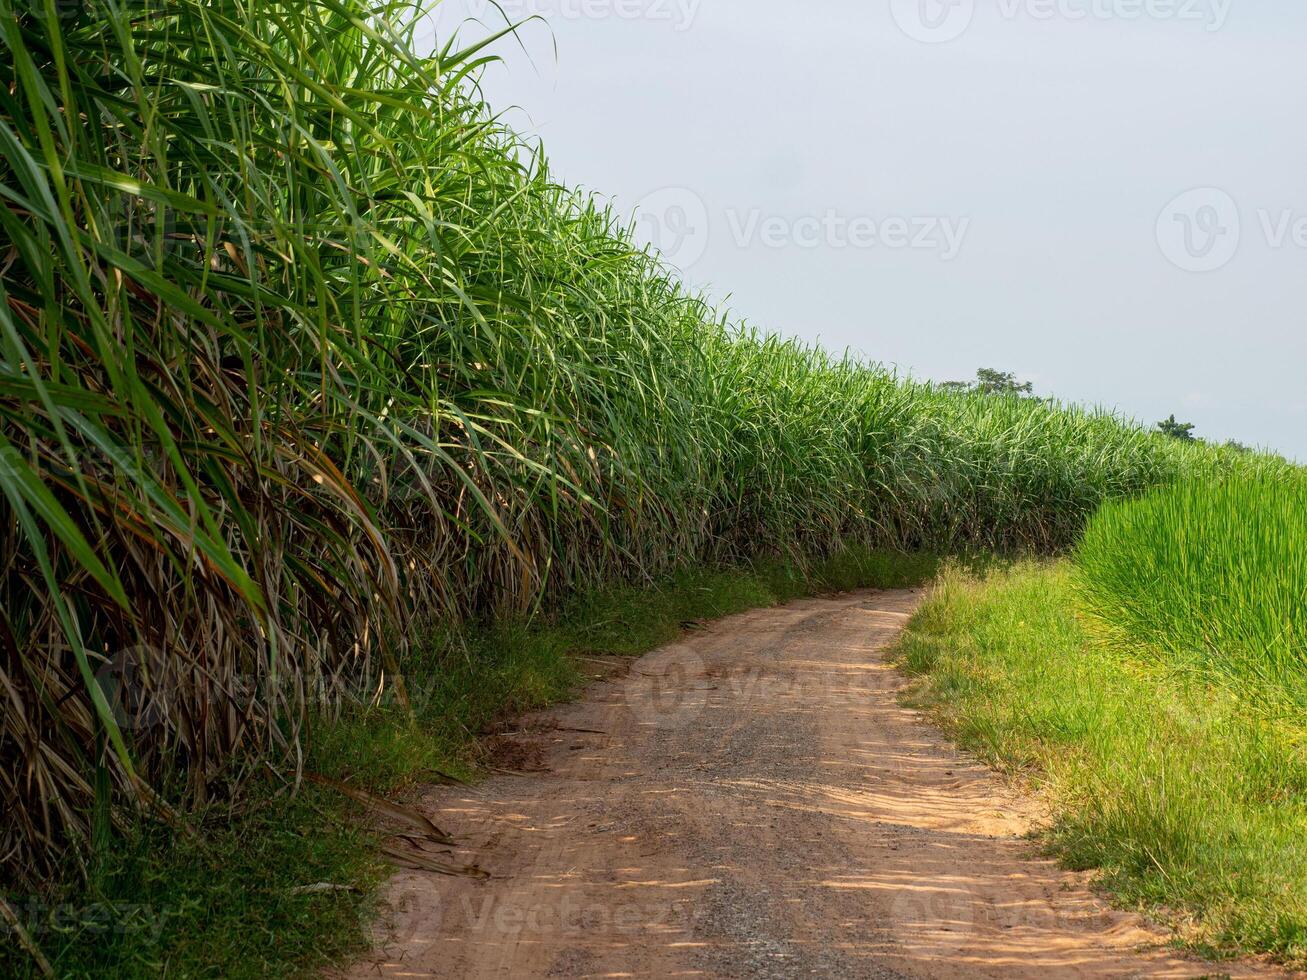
(228, 901)
(1190, 800)
(1210, 575)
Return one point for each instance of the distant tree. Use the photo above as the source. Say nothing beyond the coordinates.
(1236, 446)
(991, 382)
(1184, 431)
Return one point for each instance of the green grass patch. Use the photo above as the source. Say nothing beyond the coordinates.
(1211, 576)
(1191, 801)
(224, 901)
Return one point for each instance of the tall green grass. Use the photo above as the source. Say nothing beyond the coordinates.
(1189, 804)
(1156, 687)
(1211, 575)
(299, 346)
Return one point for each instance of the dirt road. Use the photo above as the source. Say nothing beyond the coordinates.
(754, 802)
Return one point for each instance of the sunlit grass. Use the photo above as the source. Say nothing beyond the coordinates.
(1191, 801)
(1210, 574)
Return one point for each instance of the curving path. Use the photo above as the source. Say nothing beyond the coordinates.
(754, 802)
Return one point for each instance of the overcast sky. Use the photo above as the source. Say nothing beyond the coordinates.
(1108, 197)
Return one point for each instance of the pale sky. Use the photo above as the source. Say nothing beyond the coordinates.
(1107, 197)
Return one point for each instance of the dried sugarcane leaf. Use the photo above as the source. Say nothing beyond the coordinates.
(395, 811)
(415, 860)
